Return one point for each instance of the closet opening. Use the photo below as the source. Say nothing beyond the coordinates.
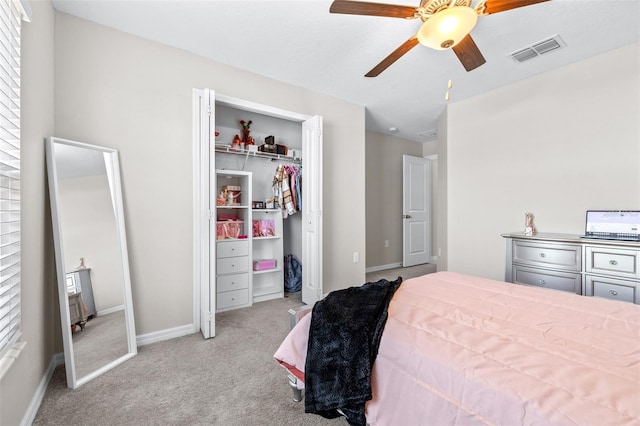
(257, 205)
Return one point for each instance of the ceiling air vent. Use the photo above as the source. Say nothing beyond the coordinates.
(537, 49)
(429, 134)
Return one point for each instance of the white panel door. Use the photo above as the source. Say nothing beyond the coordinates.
(416, 221)
(312, 210)
(206, 244)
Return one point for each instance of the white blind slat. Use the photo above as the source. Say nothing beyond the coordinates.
(10, 266)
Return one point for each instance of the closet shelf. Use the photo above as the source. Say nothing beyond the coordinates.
(226, 149)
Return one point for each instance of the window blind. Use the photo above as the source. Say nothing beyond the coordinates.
(10, 22)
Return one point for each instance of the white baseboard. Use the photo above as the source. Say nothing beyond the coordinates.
(433, 259)
(383, 267)
(169, 333)
(110, 310)
(32, 410)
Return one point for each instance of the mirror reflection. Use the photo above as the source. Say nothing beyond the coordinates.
(91, 259)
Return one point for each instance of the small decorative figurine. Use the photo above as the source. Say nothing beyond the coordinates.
(221, 199)
(246, 125)
(236, 142)
(81, 266)
(529, 229)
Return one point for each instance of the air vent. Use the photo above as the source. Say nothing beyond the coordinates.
(537, 49)
(428, 134)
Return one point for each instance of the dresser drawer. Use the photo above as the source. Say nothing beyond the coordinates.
(550, 255)
(610, 261)
(232, 299)
(232, 265)
(232, 249)
(548, 279)
(232, 282)
(611, 288)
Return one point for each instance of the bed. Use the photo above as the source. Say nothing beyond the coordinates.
(464, 350)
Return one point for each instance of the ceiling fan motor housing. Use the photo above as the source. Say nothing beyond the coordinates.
(431, 7)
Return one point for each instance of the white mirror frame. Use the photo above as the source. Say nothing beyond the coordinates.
(113, 169)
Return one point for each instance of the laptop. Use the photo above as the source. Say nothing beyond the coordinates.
(621, 225)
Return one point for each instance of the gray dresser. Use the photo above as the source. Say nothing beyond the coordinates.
(80, 282)
(566, 262)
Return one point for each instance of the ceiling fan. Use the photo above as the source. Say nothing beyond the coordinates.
(446, 25)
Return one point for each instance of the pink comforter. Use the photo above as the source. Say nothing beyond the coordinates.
(464, 350)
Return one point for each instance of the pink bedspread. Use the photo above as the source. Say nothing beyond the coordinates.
(464, 350)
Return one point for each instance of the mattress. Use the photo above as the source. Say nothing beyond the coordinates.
(458, 349)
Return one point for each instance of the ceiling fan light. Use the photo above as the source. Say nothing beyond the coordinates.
(448, 27)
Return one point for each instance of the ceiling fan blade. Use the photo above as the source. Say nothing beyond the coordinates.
(495, 6)
(394, 56)
(373, 9)
(468, 53)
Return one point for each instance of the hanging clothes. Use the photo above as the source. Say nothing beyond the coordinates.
(295, 183)
(282, 191)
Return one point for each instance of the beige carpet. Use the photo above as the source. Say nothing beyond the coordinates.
(231, 379)
(103, 340)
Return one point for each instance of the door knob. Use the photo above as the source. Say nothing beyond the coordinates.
(406, 216)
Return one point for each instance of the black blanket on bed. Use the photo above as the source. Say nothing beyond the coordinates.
(344, 336)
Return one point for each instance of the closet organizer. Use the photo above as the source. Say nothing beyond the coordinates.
(269, 212)
(256, 228)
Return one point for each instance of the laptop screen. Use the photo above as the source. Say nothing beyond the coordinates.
(613, 223)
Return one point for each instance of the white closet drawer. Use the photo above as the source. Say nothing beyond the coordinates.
(232, 248)
(231, 299)
(609, 261)
(232, 265)
(232, 282)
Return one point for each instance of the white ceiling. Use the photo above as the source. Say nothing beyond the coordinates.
(301, 43)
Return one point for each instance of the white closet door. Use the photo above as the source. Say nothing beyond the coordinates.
(207, 245)
(312, 210)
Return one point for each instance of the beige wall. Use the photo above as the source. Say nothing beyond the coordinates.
(124, 92)
(442, 222)
(40, 318)
(555, 145)
(89, 231)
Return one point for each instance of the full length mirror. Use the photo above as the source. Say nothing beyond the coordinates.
(92, 265)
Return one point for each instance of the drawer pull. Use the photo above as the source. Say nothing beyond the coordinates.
(613, 292)
(542, 282)
(543, 255)
(613, 262)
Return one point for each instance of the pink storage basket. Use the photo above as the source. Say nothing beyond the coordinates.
(229, 229)
(263, 264)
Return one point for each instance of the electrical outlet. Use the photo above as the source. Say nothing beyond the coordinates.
(356, 257)
(386, 243)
